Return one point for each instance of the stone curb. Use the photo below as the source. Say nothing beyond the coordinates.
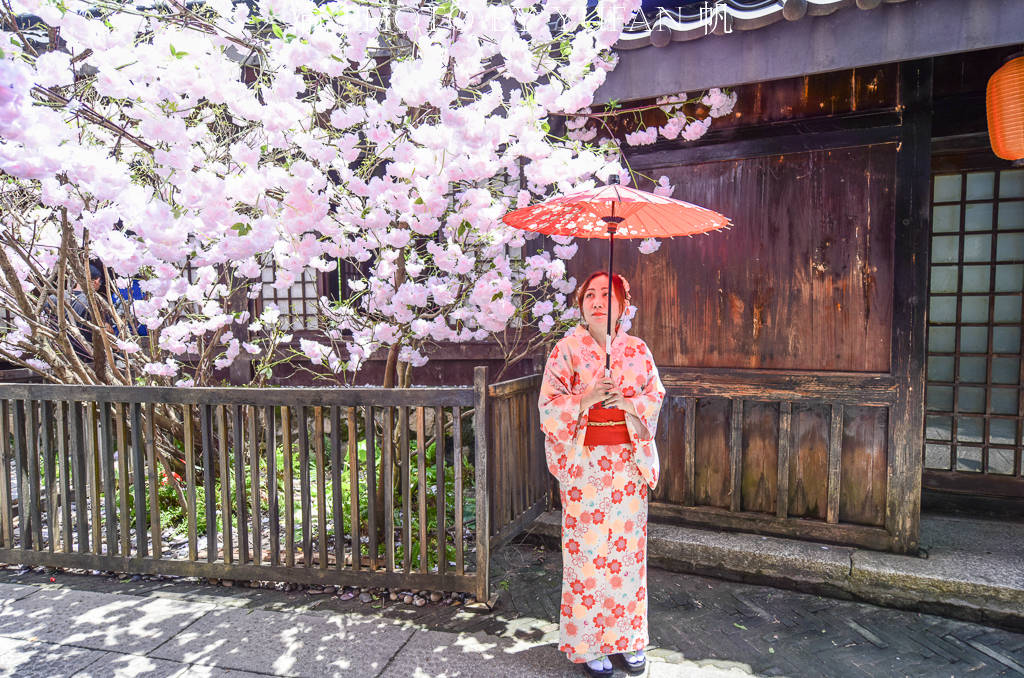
(965, 585)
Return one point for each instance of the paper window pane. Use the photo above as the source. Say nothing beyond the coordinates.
(1011, 215)
(1009, 277)
(946, 219)
(1004, 401)
(940, 368)
(973, 370)
(1010, 247)
(943, 279)
(978, 217)
(947, 187)
(1006, 339)
(977, 248)
(936, 456)
(974, 309)
(979, 185)
(1005, 370)
(974, 340)
(977, 278)
(968, 458)
(938, 428)
(970, 429)
(1000, 461)
(942, 309)
(1011, 184)
(941, 339)
(1002, 432)
(971, 399)
(945, 249)
(1007, 309)
(939, 398)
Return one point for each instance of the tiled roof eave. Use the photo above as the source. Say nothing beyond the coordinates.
(685, 29)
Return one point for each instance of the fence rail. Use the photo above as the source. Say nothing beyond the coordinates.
(519, 484)
(381, 487)
(798, 454)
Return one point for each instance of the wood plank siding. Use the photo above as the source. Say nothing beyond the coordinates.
(791, 345)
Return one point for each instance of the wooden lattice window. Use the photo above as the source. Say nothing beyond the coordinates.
(6, 320)
(298, 303)
(973, 397)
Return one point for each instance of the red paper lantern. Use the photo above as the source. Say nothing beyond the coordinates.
(1004, 102)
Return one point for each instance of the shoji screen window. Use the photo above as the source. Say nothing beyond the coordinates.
(973, 397)
(298, 302)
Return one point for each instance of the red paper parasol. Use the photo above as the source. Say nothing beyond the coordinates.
(615, 211)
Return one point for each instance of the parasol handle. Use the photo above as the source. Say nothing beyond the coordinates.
(611, 222)
(608, 314)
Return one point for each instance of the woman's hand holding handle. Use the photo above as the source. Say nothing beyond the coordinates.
(618, 401)
(597, 391)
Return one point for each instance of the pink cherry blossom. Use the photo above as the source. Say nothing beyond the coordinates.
(207, 189)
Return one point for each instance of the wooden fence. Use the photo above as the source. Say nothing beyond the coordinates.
(799, 454)
(362, 486)
(518, 481)
(806, 455)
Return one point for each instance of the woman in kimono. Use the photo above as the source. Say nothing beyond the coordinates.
(598, 433)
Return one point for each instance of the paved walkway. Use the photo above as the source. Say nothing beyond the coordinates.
(969, 568)
(92, 626)
(100, 626)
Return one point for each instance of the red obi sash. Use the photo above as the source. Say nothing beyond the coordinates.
(606, 427)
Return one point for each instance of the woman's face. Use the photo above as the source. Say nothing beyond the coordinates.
(595, 304)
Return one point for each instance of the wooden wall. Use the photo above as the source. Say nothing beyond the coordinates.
(789, 343)
(802, 281)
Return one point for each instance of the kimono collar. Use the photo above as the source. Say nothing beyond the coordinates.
(583, 336)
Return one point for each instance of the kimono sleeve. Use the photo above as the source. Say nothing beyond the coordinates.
(560, 415)
(648, 405)
(648, 401)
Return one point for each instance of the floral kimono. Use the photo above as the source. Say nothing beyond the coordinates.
(604, 494)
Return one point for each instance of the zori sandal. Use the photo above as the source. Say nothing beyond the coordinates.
(636, 662)
(599, 668)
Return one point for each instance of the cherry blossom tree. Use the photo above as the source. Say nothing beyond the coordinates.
(187, 147)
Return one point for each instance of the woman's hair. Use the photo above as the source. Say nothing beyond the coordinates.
(620, 288)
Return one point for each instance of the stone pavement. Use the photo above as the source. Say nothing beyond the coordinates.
(771, 631)
(99, 626)
(86, 626)
(969, 568)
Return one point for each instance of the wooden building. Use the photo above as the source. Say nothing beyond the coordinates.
(855, 340)
(857, 333)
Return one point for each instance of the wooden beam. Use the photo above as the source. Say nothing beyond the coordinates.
(764, 523)
(690, 446)
(121, 436)
(294, 397)
(209, 490)
(506, 388)
(910, 286)
(835, 458)
(6, 517)
(987, 484)
(785, 445)
(184, 568)
(483, 518)
(273, 510)
(107, 472)
(842, 387)
(224, 470)
(785, 139)
(138, 479)
(79, 455)
(736, 456)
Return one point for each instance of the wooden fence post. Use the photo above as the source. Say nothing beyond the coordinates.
(483, 499)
